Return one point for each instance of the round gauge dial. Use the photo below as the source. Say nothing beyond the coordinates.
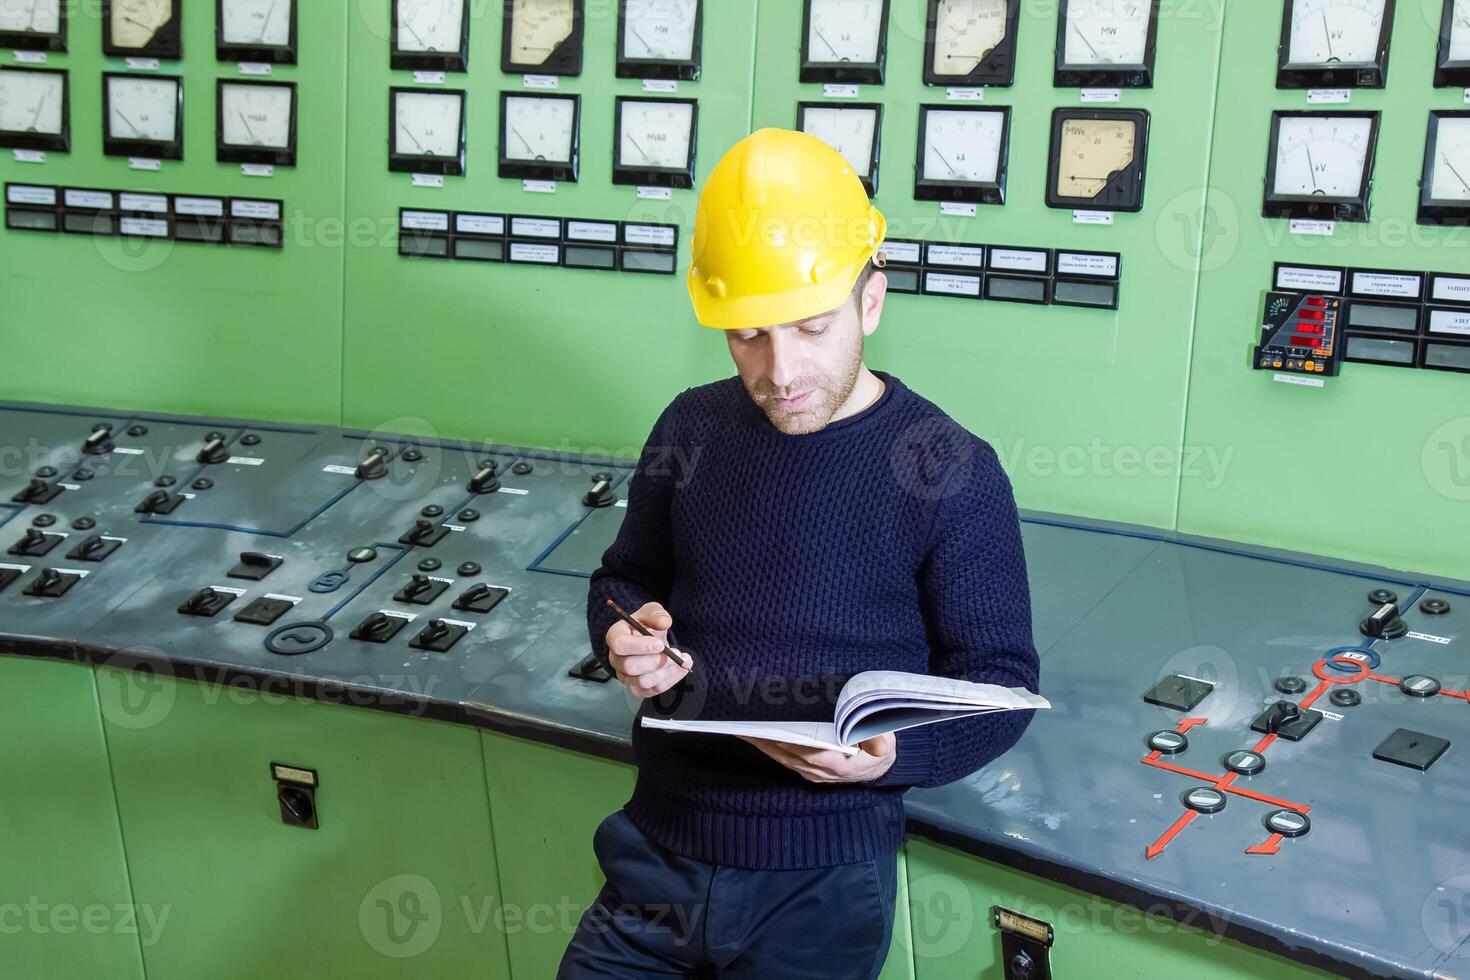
(1330, 32)
(1460, 31)
(655, 134)
(1322, 156)
(963, 146)
(259, 22)
(430, 25)
(848, 130)
(31, 16)
(142, 108)
(965, 32)
(1107, 32)
(135, 22)
(537, 27)
(428, 123)
(1091, 151)
(844, 31)
(539, 129)
(659, 30)
(256, 115)
(31, 101)
(1449, 178)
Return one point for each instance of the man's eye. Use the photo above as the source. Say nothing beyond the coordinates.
(815, 332)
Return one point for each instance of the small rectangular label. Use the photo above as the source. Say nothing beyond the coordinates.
(207, 207)
(1308, 279)
(429, 77)
(970, 257)
(515, 490)
(129, 450)
(1092, 217)
(142, 64)
(1297, 379)
(30, 57)
(539, 186)
(965, 94)
(254, 68)
(1303, 226)
(291, 774)
(101, 200)
(244, 461)
(245, 208)
(428, 180)
(1451, 289)
(1449, 321)
(144, 163)
(293, 599)
(1430, 638)
(832, 91)
(655, 194)
(30, 194)
(908, 252)
(656, 235)
(1328, 96)
(529, 252)
(148, 203)
(397, 614)
(666, 86)
(479, 224)
(592, 231)
(341, 470)
(424, 220)
(257, 170)
(1400, 285)
(536, 227)
(1101, 94)
(29, 156)
(144, 227)
(941, 282)
(958, 209)
(1018, 260)
(1087, 264)
(540, 81)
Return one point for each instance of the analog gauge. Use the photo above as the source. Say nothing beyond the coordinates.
(962, 154)
(1320, 165)
(844, 41)
(431, 35)
(143, 116)
(1098, 158)
(34, 110)
(851, 129)
(36, 25)
(542, 37)
(1444, 196)
(655, 140)
(256, 123)
(659, 38)
(1334, 43)
(1106, 43)
(256, 30)
(427, 134)
(1453, 66)
(971, 42)
(141, 28)
(538, 136)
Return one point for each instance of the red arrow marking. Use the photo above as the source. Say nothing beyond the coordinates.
(1272, 846)
(1157, 847)
(1189, 723)
(1311, 699)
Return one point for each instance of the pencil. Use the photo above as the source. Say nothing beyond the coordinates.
(668, 650)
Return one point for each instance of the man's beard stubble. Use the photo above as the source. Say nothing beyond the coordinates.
(828, 396)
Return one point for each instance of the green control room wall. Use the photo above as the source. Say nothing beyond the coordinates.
(1148, 414)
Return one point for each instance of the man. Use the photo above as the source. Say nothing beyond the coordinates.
(801, 523)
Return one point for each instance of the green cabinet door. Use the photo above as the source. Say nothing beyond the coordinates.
(393, 884)
(65, 909)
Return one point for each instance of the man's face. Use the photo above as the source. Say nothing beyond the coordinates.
(801, 373)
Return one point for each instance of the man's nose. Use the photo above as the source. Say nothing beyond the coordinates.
(784, 364)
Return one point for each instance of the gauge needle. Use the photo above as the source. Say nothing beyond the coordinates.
(1312, 168)
(42, 102)
(1328, 32)
(136, 23)
(640, 149)
(267, 21)
(412, 137)
(651, 52)
(1079, 33)
(35, 8)
(253, 137)
(408, 27)
(941, 157)
(1452, 169)
(125, 119)
(818, 32)
(529, 148)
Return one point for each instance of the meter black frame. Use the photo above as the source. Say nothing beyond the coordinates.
(47, 142)
(870, 179)
(280, 54)
(1124, 188)
(1312, 207)
(1355, 75)
(842, 73)
(968, 191)
(235, 153)
(1447, 73)
(997, 68)
(1434, 211)
(419, 163)
(167, 42)
(680, 177)
(676, 69)
(172, 149)
(456, 60)
(1141, 75)
(565, 58)
(37, 40)
(542, 169)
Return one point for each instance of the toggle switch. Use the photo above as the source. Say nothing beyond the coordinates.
(159, 502)
(99, 443)
(601, 494)
(34, 543)
(1385, 624)
(378, 627)
(94, 548)
(8, 575)
(480, 598)
(52, 584)
(423, 534)
(1286, 719)
(206, 602)
(421, 590)
(374, 466)
(38, 491)
(438, 636)
(214, 451)
(485, 480)
(254, 566)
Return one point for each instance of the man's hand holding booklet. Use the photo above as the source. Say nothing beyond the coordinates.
(873, 703)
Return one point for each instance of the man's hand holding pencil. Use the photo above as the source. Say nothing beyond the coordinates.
(639, 653)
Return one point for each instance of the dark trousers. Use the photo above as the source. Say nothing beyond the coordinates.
(664, 915)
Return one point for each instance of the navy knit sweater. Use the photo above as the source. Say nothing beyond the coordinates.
(886, 540)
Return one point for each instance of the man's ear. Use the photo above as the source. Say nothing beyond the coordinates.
(874, 292)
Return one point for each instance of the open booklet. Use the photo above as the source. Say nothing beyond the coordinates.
(875, 702)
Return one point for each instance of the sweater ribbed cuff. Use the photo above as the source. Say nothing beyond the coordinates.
(914, 758)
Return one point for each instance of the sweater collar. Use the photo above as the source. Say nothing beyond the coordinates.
(832, 430)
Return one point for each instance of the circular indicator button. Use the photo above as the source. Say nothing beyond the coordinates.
(165, 481)
(83, 524)
(1167, 742)
(1419, 686)
(1434, 607)
(469, 515)
(82, 475)
(1205, 799)
(521, 469)
(361, 556)
(469, 568)
(1345, 698)
(1290, 685)
(411, 455)
(1244, 761)
(1287, 823)
(43, 520)
(137, 430)
(250, 439)
(432, 510)
(430, 565)
(46, 472)
(1380, 597)
(203, 483)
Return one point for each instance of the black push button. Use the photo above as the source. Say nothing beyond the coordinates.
(1178, 692)
(263, 611)
(51, 584)
(1290, 685)
(1345, 697)
(34, 543)
(480, 598)
(361, 556)
(438, 636)
(1287, 720)
(255, 565)
(1380, 597)
(206, 602)
(423, 534)
(421, 590)
(94, 548)
(1419, 686)
(1416, 750)
(38, 491)
(1434, 607)
(379, 627)
(159, 502)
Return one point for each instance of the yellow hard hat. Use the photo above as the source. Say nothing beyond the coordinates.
(783, 229)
